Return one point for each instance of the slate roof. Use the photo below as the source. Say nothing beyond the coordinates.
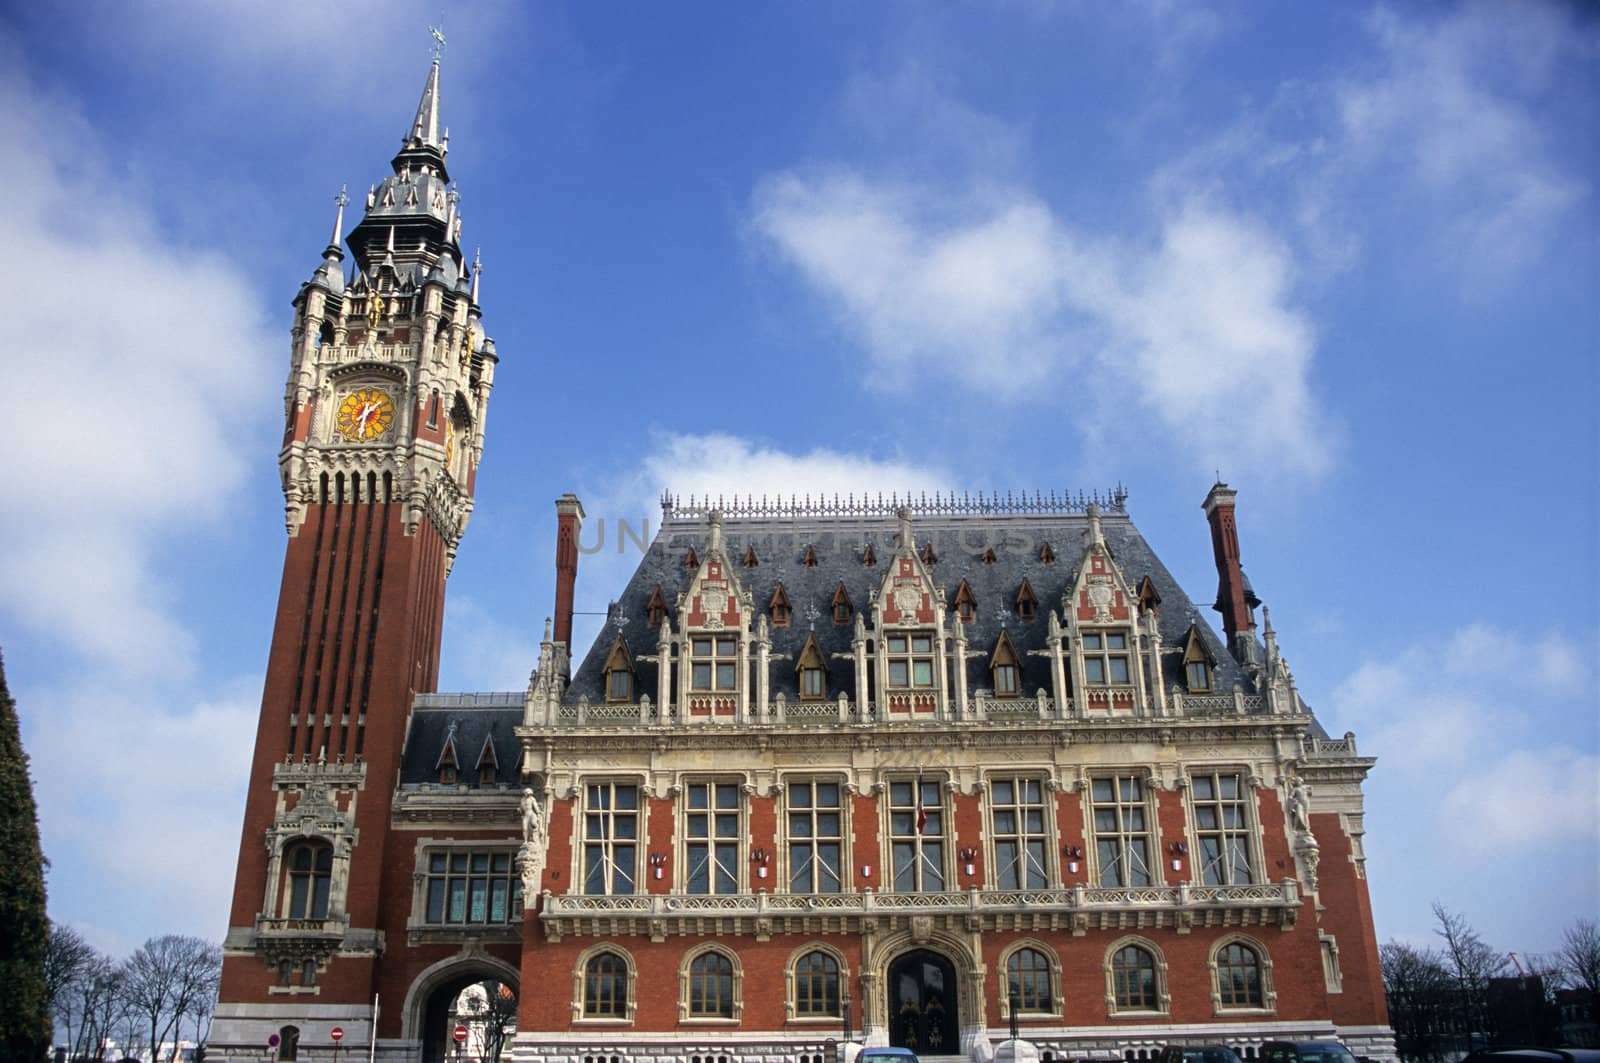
(475, 718)
(959, 542)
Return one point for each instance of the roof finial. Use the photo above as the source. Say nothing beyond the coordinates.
(437, 33)
(1096, 536)
(477, 268)
(907, 543)
(338, 219)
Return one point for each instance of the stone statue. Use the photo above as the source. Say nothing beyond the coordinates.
(374, 310)
(532, 819)
(1300, 806)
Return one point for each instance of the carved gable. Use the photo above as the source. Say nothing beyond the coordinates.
(1101, 594)
(715, 598)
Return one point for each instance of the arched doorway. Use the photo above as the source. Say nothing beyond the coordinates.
(922, 1004)
(485, 1006)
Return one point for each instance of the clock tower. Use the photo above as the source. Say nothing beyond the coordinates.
(389, 380)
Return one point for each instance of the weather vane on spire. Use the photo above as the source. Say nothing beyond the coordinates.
(438, 41)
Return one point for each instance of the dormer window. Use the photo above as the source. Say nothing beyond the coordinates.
(988, 556)
(870, 557)
(656, 608)
(1007, 669)
(619, 672)
(690, 561)
(488, 763)
(842, 609)
(928, 556)
(749, 557)
(1047, 556)
(1027, 604)
(813, 672)
(714, 663)
(779, 608)
(810, 558)
(966, 604)
(1105, 658)
(448, 765)
(1197, 663)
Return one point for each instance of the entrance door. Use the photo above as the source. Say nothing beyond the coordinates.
(922, 1004)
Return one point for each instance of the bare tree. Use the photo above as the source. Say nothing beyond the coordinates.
(1472, 962)
(1579, 958)
(66, 957)
(164, 977)
(1422, 1002)
(501, 1012)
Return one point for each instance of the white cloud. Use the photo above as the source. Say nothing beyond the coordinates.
(1524, 799)
(144, 791)
(1453, 103)
(487, 653)
(137, 364)
(989, 287)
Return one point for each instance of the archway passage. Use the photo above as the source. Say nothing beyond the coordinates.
(486, 1007)
(922, 1004)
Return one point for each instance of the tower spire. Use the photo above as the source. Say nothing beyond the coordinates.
(425, 127)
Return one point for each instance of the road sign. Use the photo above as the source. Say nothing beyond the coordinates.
(337, 1033)
(272, 1040)
(460, 1033)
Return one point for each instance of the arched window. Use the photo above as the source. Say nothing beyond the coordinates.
(605, 987)
(1133, 979)
(289, 1043)
(1136, 977)
(711, 986)
(1028, 982)
(1006, 668)
(1239, 977)
(816, 986)
(310, 880)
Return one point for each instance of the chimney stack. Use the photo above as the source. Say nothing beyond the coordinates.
(1235, 599)
(569, 522)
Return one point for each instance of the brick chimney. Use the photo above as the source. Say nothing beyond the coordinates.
(1235, 599)
(569, 522)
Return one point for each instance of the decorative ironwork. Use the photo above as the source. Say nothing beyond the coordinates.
(939, 504)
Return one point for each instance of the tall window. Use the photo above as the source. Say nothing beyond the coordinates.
(910, 661)
(1105, 657)
(816, 837)
(1016, 816)
(472, 887)
(816, 985)
(310, 880)
(605, 987)
(1028, 981)
(711, 986)
(712, 832)
(916, 836)
(1121, 834)
(289, 1043)
(1133, 979)
(1221, 828)
(715, 663)
(610, 837)
(1239, 977)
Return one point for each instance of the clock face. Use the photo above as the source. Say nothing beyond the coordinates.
(365, 414)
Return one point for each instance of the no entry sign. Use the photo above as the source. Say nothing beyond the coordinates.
(337, 1033)
(460, 1033)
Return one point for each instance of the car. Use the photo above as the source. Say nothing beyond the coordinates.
(1198, 1054)
(1534, 1055)
(886, 1055)
(1306, 1052)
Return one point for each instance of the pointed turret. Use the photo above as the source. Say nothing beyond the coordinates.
(425, 129)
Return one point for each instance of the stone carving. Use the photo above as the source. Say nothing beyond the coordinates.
(1101, 595)
(1300, 806)
(535, 843)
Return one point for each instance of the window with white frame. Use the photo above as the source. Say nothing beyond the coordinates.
(1133, 979)
(1105, 658)
(471, 887)
(1016, 822)
(606, 977)
(816, 837)
(1121, 831)
(910, 659)
(610, 837)
(713, 663)
(1221, 828)
(711, 837)
(916, 835)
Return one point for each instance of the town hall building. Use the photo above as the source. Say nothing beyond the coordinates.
(913, 771)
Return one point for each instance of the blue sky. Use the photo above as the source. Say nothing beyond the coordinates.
(1343, 254)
